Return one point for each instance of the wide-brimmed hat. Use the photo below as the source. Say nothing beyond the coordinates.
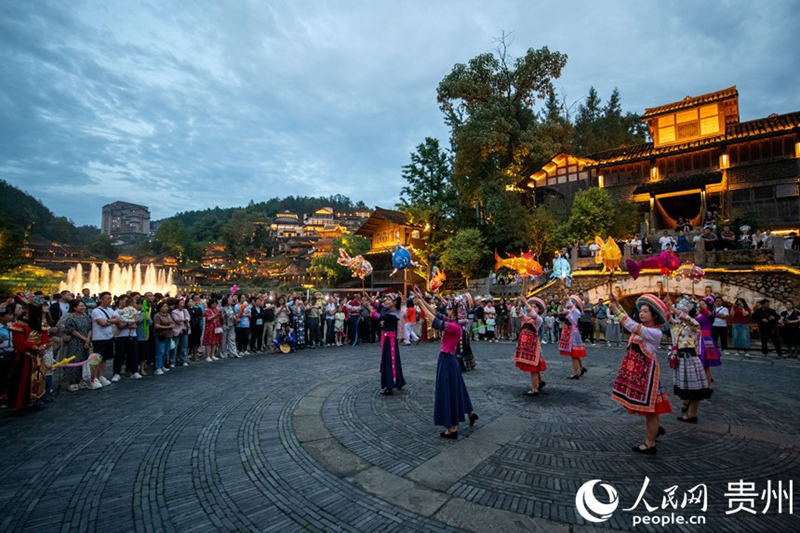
(539, 303)
(577, 301)
(657, 307)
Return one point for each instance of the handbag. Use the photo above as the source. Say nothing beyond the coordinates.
(673, 359)
(217, 331)
(172, 344)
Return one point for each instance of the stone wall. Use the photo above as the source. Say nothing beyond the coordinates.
(779, 285)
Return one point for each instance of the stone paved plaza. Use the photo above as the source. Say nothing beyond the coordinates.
(304, 442)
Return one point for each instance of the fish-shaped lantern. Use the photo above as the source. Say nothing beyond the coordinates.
(525, 264)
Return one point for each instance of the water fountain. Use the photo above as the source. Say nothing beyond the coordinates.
(118, 279)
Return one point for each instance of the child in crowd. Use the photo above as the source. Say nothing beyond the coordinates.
(490, 327)
(49, 359)
(338, 326)
(549, 329)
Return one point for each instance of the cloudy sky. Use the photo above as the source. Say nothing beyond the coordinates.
(190, 104)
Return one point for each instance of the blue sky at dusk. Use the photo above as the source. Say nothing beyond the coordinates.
(185, 105)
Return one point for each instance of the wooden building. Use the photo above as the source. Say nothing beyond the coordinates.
(700, 155)
(386, 228)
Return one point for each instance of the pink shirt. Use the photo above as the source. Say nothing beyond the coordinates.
(451, 335)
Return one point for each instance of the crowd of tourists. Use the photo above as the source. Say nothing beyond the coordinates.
(137, 335)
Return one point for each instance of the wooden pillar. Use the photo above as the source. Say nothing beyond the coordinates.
(702, 206)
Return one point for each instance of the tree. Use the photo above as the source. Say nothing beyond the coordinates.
(12, 240)
(542, 227)
(326, 267)
(595, 213)
(463, 252)
(100, 246)
(599, 128)
(172, 237)
(588, 134)
(488, 105)
(429, 196)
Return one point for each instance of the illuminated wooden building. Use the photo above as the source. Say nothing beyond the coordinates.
(385, 229)
(700, 155)
(286, 225)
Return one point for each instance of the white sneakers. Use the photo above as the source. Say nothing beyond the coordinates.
(96, 384)
(159, 372)
(208, 359)
(115, 378)
(184, 364)
(215, 358)
(104, 381)
(136, 375)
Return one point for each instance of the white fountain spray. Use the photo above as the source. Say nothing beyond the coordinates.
(118, 279)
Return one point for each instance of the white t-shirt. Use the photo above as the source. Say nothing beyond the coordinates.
(666, 241)
(103, 333)
(721, 318)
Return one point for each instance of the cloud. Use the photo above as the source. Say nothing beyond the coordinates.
(182, 108)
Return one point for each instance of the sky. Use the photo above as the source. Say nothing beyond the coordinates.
(182, 105)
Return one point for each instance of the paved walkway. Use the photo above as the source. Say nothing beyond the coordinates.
(305, 443)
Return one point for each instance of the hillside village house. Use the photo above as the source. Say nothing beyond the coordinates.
(700, 155)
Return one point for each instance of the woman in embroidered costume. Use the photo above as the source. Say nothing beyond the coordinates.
(391, 369)
(638, 385)
(26, 386)
(709, 353)
(528, 356)
(451, 399)
(691, 385)
(571, 344)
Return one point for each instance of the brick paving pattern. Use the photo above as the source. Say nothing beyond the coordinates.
(304, 442)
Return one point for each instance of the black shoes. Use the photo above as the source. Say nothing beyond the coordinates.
(690, 420)
(386, 392)
(583, 371)
(531, 393)
(472, 418)
(661, 432)
(449, 435)
(645, 449)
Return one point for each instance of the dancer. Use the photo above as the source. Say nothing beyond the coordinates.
(709, 353)
(528, 356)
(391, 369)
(461, 304)
(571, 343)
(451, 399)
(638, 385)
(691, 385)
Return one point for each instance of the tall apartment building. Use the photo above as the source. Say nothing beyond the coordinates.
(123, 218)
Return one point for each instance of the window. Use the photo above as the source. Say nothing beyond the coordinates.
(763, 193)
(786, 190)
(740, 196)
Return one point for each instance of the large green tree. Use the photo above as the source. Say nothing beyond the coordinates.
(464, 252)
(488, 104)
(429, 196)
(497, 140)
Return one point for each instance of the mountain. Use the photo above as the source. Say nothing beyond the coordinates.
(21, 211)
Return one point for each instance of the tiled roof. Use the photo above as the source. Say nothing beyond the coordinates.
(691, 101)
(695, 181)
(735, 132)
(762, 126)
